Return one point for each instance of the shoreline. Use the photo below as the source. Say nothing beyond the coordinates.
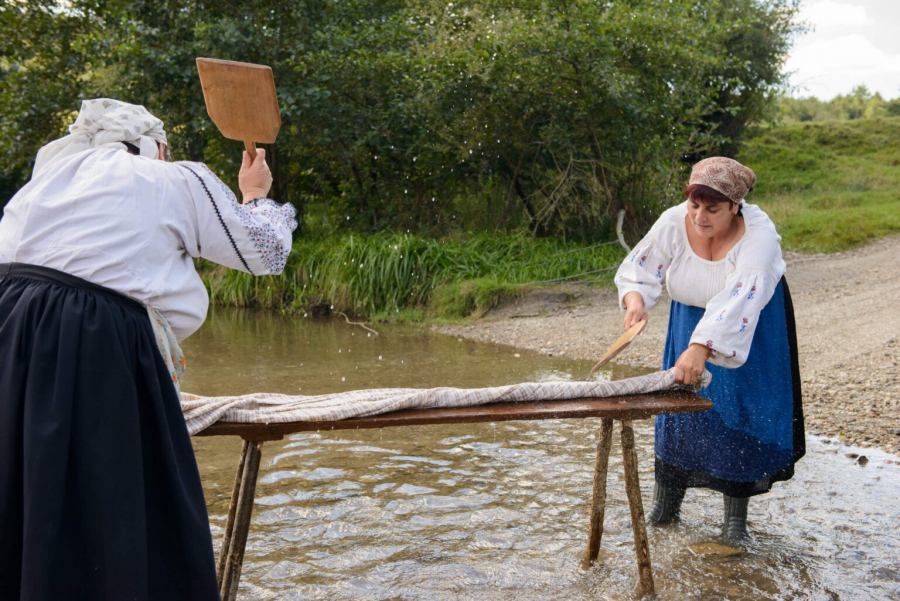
(848, 330)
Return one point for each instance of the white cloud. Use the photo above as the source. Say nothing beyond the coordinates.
(830, 18)
(838, 55)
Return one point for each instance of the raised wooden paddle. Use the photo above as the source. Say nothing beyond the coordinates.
(620, 344)
(241, 101)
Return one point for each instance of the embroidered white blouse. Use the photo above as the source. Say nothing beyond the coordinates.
(733, 290)
(134, 225)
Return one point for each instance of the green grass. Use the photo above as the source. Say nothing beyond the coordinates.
(470, 298)
(829, 186)
(402, 276)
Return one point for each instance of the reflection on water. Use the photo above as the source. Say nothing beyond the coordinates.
(499, 511)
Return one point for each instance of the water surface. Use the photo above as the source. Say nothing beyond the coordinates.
(499, 511)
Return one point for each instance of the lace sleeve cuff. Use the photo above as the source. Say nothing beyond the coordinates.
(269, 226)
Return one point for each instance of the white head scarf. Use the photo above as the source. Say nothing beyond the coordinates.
(105, 123)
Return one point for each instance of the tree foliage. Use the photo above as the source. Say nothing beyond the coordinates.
(550, 115)
(860, 103)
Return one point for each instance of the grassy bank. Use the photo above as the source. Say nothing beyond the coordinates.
(402, 275)
(829, 186)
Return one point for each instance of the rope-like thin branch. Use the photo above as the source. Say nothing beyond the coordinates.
(356, 323)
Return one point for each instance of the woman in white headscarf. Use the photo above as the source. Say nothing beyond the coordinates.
(100, 497)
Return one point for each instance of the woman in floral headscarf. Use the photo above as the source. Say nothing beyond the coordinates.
(730, 312)
(100, 496)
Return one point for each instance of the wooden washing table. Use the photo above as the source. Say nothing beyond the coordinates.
(622, 408)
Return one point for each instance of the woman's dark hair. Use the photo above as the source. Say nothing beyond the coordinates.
(706, 195)
(132, 149)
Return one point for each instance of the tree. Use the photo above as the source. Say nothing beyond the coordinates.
(547, 114)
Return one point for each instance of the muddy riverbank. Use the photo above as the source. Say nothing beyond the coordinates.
(848, 323)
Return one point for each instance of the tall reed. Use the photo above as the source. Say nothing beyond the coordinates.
(390, 272)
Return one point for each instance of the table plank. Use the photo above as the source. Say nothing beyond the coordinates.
(630, 407)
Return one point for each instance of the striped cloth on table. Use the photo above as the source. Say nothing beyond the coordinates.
(267, 408)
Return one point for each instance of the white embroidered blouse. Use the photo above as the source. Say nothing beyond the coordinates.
(733, 290)
(134, 225)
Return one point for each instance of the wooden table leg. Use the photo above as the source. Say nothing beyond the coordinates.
(229, 522)
(243, 509)
(638, 525)
(598, 503)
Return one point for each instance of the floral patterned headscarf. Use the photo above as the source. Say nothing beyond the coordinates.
(105, 123)
(725, 176)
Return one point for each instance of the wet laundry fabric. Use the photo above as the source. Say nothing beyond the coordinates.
(267, 408)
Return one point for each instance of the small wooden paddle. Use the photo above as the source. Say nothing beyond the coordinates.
(241, 101)
(620, 344)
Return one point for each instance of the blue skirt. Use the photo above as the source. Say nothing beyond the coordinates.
(754, 433)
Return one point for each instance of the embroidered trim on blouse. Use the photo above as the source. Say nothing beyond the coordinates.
(219, 215)
(264, 236)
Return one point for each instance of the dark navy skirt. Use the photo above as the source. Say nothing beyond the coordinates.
(100, 497)
(754, 433)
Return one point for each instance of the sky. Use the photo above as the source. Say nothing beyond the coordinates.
(851, 42)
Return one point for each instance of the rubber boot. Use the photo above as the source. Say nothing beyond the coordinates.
(666, 504)
(735, 526)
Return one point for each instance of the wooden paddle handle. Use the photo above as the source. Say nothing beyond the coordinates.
(251, 149)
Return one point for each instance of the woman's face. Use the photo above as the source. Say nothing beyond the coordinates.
(711, 220)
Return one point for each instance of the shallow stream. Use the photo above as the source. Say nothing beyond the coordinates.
(500, 511)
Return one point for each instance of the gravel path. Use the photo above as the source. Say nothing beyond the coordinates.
(848, 320)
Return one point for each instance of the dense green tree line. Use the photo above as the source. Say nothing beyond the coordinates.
(550, 115)
(861, 103)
